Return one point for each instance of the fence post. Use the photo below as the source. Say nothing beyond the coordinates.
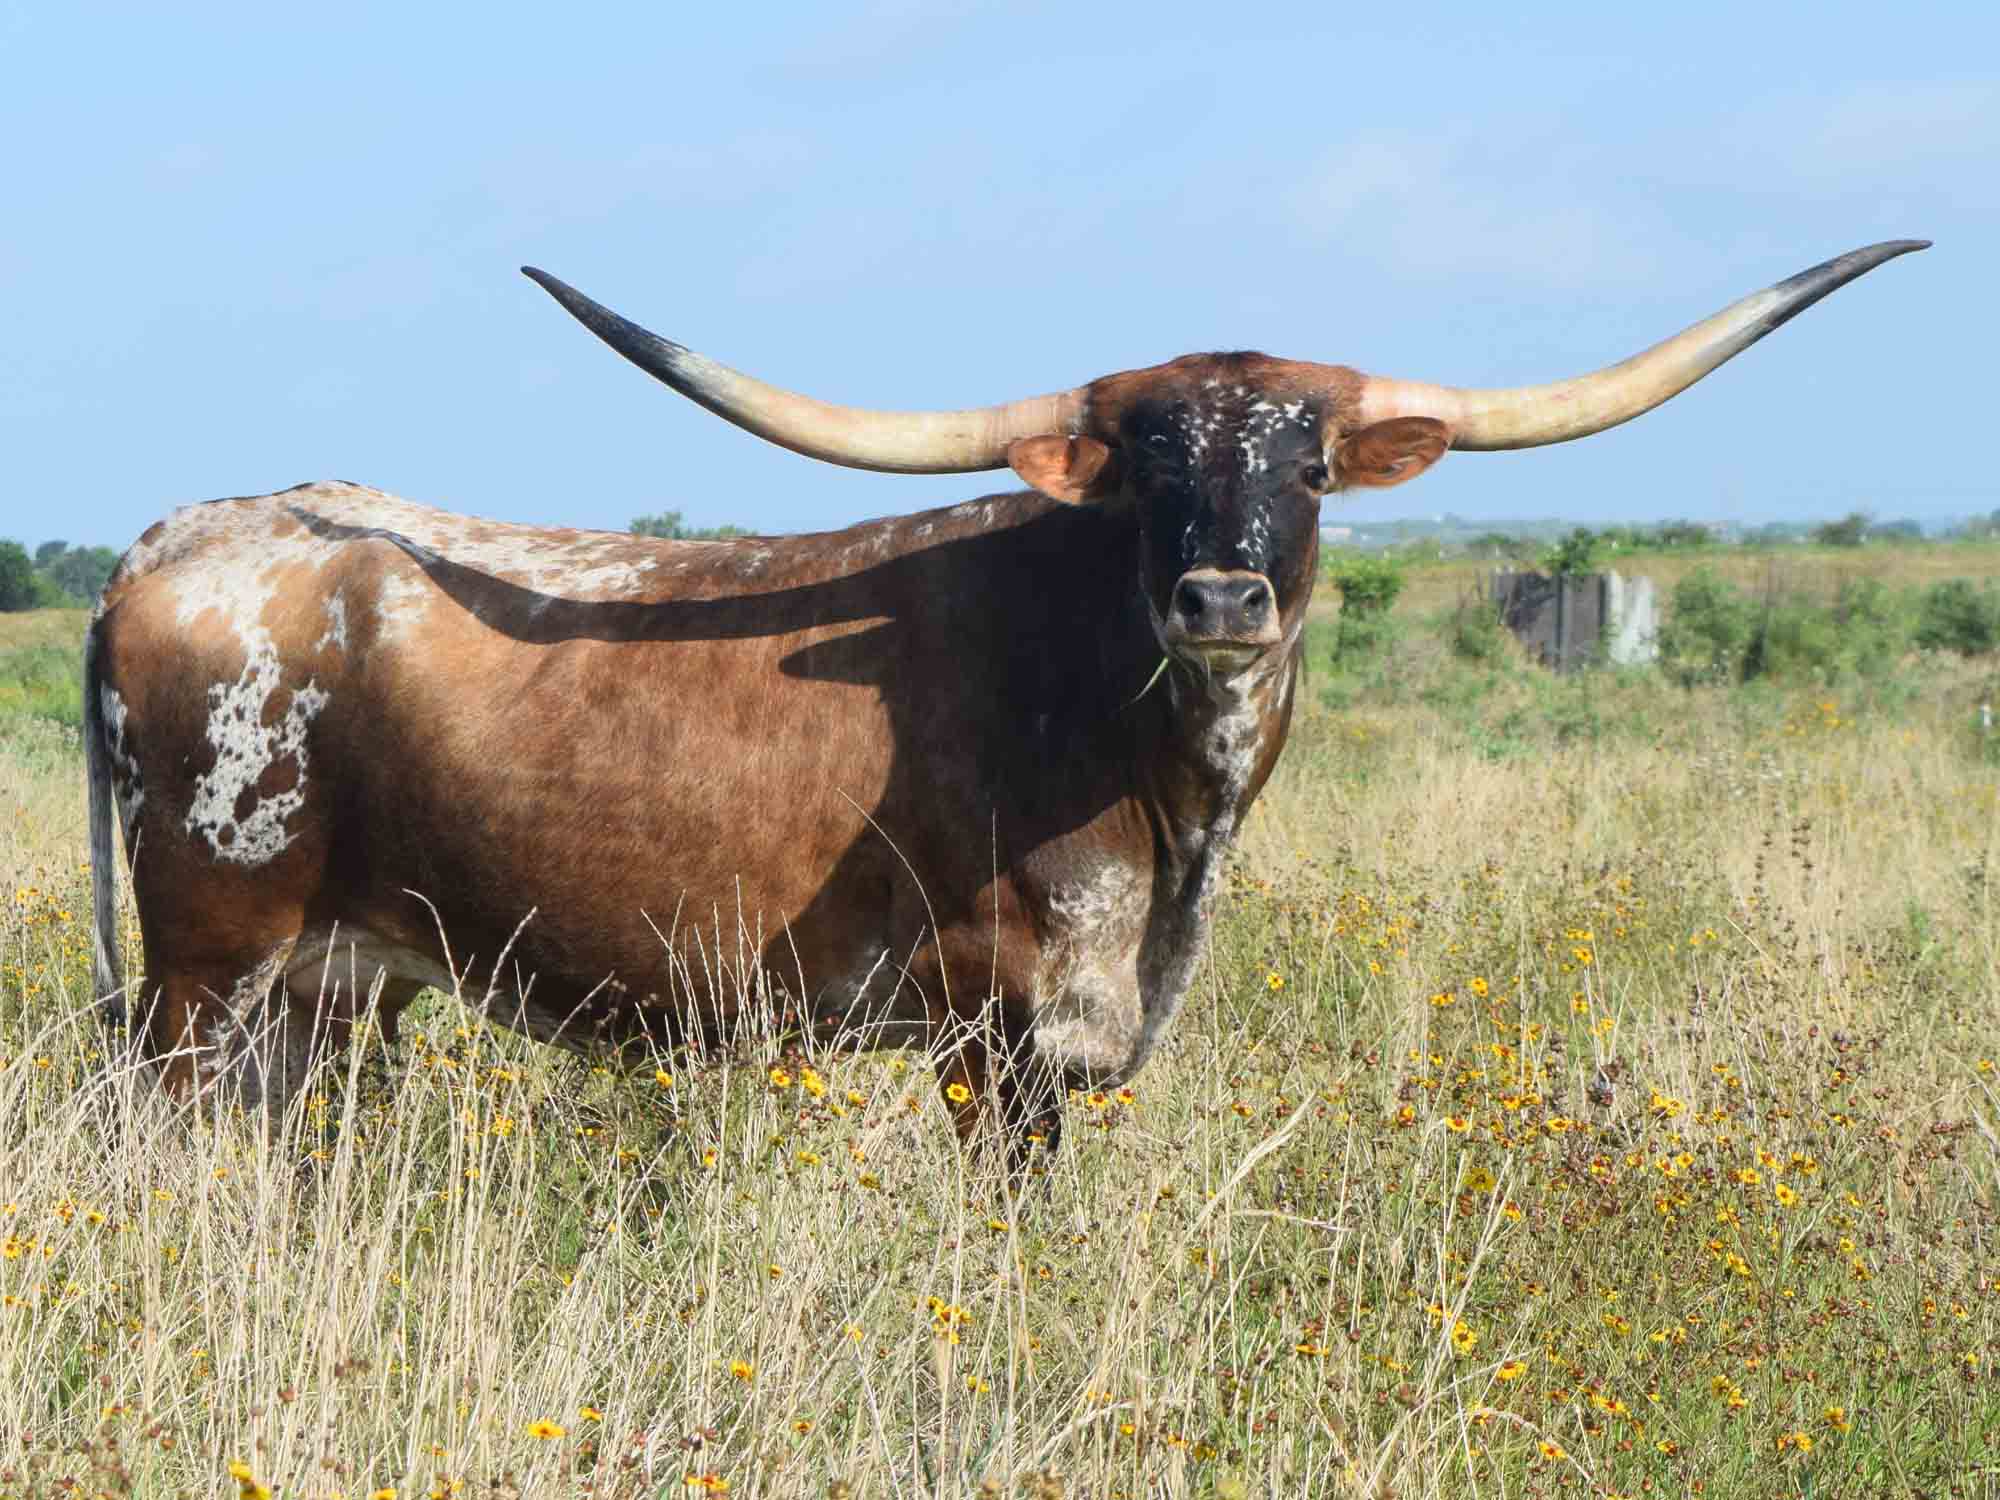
(1562, 620)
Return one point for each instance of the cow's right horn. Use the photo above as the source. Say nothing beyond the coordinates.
(902, 442)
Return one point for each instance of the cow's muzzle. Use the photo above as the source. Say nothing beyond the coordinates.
(1224, 618)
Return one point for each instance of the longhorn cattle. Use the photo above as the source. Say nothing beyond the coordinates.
(983, 761)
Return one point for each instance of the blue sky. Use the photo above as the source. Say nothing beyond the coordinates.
(251, 246)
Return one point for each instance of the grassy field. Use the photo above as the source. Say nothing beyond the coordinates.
(1814, 570)
(1592, 1091)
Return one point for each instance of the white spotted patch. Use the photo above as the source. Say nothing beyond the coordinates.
(1089, 1006)
(1203, 423)
(245, 748)
(336, 624)
(569, 564)
(1085, 912)
(402, 599)
(126, 783)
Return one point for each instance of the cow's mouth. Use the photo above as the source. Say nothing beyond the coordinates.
(1222, 657)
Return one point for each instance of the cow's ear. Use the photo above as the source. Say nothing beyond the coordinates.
(1074, 470)
(1389, 452)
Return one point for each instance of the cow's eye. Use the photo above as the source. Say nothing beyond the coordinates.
(1313, 476)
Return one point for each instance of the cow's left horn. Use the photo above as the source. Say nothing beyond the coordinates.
(902, 442)
(1528, 416)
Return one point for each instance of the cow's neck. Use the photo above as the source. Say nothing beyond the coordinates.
(1206, 748)
(1218, 742)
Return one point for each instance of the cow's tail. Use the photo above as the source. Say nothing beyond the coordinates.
(107, 966)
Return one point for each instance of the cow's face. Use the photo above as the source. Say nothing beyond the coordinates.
(1224, 458)
(1226, 479)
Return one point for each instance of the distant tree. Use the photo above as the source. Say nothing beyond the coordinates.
(18, 589)
(79, 572)
(1851, 530)
(1682, 534)
(668, 526)
(1904, 530)
(1573, 556)
(48, 552)
(1622, 538)
(1773, 533)
(1499, 544)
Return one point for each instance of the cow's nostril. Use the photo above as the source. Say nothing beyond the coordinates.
(1193, 598)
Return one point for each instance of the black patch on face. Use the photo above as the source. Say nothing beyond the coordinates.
(1226, 477)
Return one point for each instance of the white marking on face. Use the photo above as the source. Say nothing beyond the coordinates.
(1260, 422)
(126, 783)
(245, 748)
(1197, 424)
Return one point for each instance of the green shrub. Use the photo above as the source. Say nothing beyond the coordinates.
(1683, 534)
(1875, 622)
(1362, 637)
(1474, 632)
(1707, 631)
(17, 578)
(42, 682)
(1369, 584)
(1714, 633)
(1851, 530)
(1574, 556)
(1955, 616)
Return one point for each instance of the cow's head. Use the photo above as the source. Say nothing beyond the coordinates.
(1224, 456)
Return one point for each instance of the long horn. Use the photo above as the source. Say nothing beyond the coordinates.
(1528, 416)
(901, 442)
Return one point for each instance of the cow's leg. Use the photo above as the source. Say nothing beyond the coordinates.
(390, 1004)
(987, 1076)
(210, 1025)
(965, 1077)
(335, 1004)
(1031, 1106)
(987, 1065)
(216, 1031)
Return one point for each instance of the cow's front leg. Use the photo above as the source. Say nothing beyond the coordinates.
(1006, 1086)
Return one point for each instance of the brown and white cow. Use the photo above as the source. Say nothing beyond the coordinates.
(981, 761)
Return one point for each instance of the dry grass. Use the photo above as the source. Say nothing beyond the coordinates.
(23, 629)
(1614, 1116)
